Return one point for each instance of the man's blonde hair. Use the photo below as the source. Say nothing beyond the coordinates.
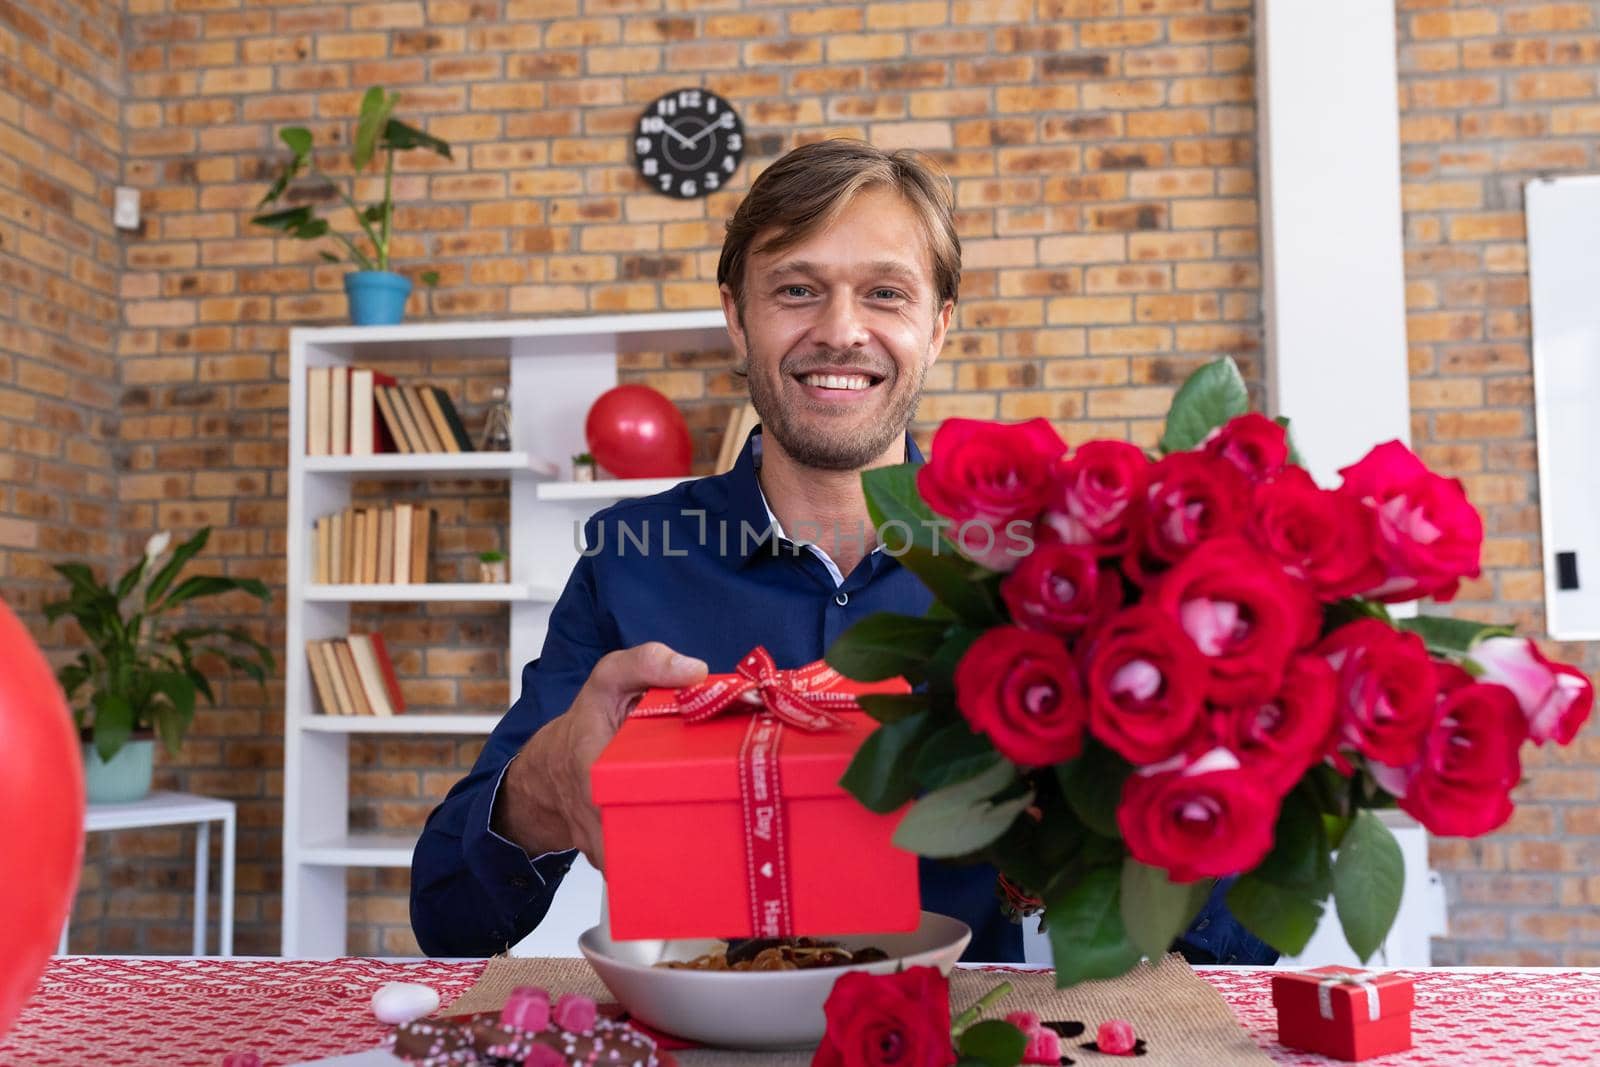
(807, 188)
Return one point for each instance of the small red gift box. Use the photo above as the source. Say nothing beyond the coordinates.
(1343, 1012)
(723, 815)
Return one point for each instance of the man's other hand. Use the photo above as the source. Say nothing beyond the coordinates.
(544, 803)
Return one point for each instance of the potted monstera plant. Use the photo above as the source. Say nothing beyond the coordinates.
(377, 294)
(142, 671)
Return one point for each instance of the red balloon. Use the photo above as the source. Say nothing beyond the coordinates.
(635, 432)
(41, 814)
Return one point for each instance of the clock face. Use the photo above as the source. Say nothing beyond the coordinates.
(688, 143)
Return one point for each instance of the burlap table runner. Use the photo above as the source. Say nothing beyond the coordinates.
(1184, 1020)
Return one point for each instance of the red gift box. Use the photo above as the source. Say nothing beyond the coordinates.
(1343, 1012)
(723, 815)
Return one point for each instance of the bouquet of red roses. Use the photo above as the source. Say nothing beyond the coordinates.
(1141, 673)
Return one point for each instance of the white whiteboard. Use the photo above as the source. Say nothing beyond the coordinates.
(1563, 217)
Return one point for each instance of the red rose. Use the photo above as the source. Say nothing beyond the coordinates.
(1189, 498)
(1061, 588)
(1556, 699)
(1146, 683)
(1020, 689)
(1242, 612)
(1462, 784)
(1385, 690)
(1428, 536)
(1096, 496)
(1253, 443)
(987, 476)
(1281, 737)
(1210, 819)
(888, 1020)
(1320, 536)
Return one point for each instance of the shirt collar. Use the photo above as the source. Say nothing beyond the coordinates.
(747, 504)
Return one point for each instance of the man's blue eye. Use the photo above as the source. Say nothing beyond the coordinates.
(887, 294)
(795, 290)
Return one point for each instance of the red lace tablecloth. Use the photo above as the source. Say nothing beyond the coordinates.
(124, 1012)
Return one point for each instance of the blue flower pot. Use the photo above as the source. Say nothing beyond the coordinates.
(123, 780)
(377, 297)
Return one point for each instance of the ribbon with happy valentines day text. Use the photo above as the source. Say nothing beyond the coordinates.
(804, 698)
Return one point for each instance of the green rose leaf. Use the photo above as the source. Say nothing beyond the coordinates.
(886, 645)
(1284, 918)
(880, 774)
(1451, 637)
(1369, 875)
(956, 582)
(892, 707)
(954, 754)
(1155, 910)
(1299, 857)
(1213, 394)
(1086, 930)
(1092, 784)
(995, 1043)
(961, 819)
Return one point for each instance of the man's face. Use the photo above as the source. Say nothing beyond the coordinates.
(838, 331)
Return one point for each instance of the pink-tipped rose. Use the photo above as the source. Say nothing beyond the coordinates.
(1096, 496)
(1209, 819)
(1253, 443)
(1061, 588)
(1147, 685)
(1555, 698)
(1428, 535)
(992, 481)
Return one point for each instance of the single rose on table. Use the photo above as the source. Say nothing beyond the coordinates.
(1146, 670)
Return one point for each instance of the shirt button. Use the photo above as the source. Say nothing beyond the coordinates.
(841, 599)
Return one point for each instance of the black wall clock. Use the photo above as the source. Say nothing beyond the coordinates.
(688, 143)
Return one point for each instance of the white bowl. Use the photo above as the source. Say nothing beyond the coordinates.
(752, 1009)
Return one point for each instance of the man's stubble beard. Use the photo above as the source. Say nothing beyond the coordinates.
(824, 450)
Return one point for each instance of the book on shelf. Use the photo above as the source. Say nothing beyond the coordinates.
(444, 411)
(318, 400)
(352, 678)
(339, 411)
(428, 437)
(385, 571)
(372, 545)
(354, 675)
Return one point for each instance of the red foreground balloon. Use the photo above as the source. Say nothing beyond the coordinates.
(41, 814)
(635, 432)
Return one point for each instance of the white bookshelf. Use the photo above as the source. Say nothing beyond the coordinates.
(556, 368)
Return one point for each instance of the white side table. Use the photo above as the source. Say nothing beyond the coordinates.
(176, 809)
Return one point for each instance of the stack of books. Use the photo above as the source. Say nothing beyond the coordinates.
(356, 411)
(362, 546)
(354, 676)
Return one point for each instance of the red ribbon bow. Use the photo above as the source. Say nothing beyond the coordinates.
(802, 697)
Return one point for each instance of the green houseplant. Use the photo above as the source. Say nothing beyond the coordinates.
(139, 675)
(377, 294)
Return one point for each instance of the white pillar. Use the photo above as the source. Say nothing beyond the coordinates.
(1331, 231)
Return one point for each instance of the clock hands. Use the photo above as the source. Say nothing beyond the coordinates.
(696, 138)
(681, 138)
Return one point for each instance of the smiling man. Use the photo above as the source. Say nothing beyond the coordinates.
(839, 276)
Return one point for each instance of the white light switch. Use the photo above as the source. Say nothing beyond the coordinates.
(125, 216)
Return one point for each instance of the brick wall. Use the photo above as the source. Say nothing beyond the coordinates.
(61, 94)
(1103, 153)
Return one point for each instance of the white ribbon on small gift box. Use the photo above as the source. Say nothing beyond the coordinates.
(1358, 978)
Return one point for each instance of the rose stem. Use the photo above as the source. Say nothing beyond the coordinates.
(970, 1016)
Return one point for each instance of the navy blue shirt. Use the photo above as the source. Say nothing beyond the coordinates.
(696, 568)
